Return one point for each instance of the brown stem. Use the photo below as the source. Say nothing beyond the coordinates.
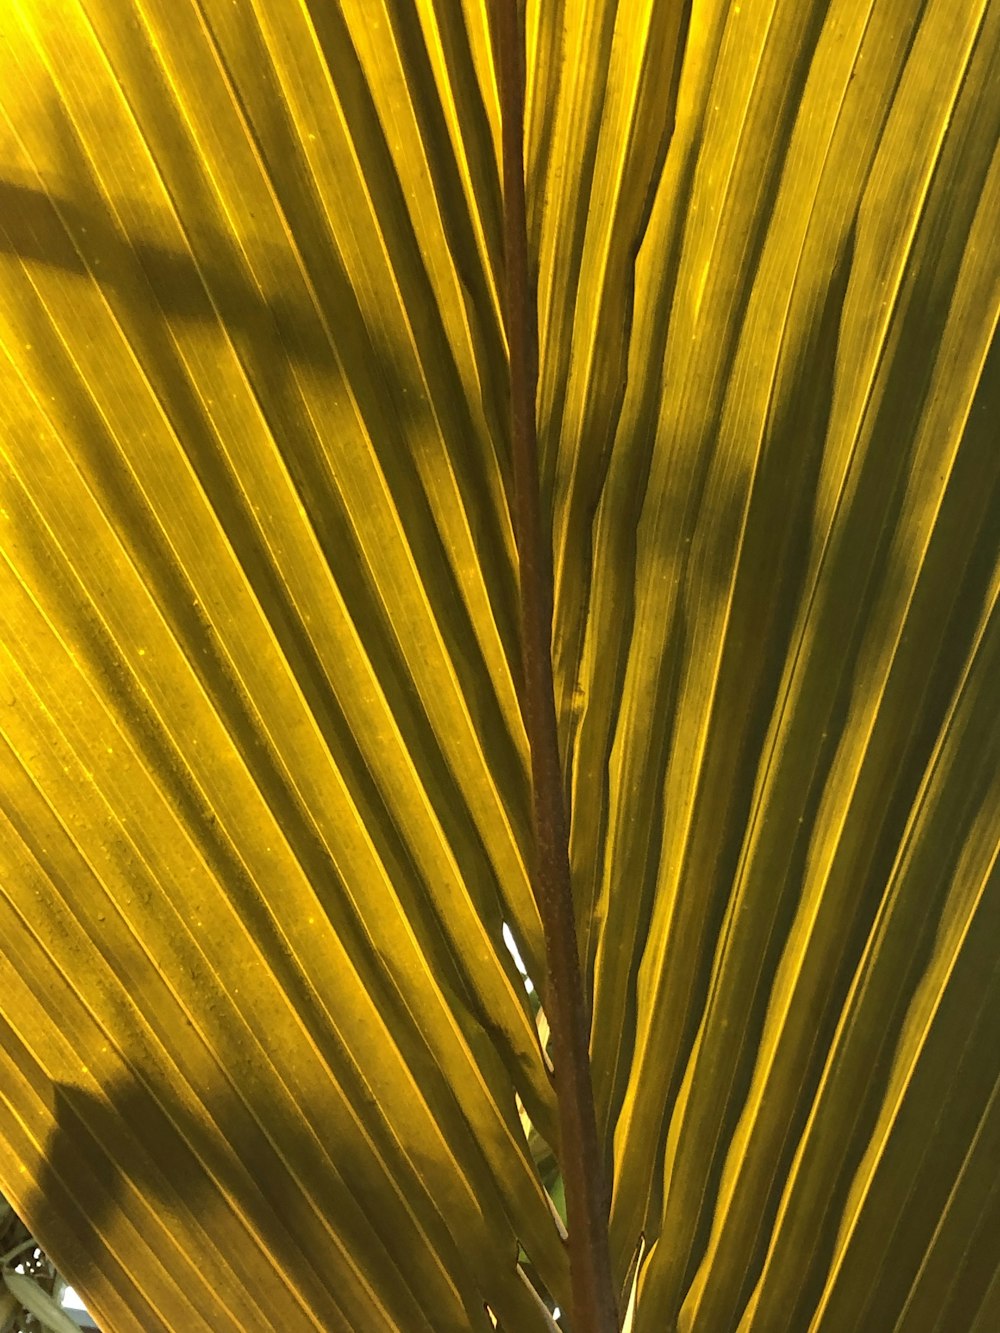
(594, 1303)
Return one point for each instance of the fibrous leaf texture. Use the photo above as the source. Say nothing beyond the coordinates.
(265, 783)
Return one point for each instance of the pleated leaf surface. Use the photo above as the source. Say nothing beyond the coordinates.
(266, 1059)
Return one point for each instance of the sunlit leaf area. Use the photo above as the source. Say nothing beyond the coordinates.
(274, 1043)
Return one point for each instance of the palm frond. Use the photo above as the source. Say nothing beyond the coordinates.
(266, 804)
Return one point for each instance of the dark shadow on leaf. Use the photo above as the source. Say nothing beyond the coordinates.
(117, 1160)
(274, 337)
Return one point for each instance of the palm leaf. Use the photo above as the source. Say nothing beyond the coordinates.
(265, 775)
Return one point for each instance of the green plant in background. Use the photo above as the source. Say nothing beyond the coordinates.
(414, 527)
(31, 1291)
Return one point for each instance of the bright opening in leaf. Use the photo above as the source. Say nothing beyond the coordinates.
(508, 939)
